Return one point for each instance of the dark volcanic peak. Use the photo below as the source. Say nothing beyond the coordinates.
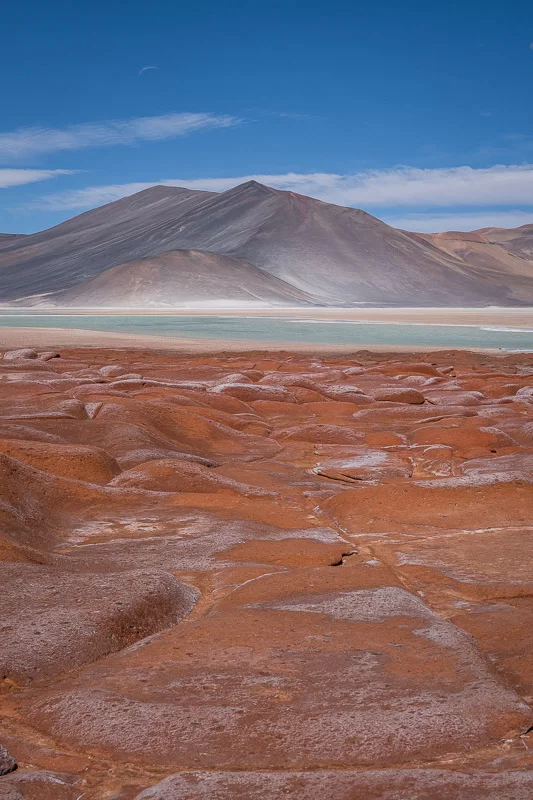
(318, 252)
(252, 186)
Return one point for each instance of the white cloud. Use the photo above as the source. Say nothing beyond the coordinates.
(402, 187)
(409, 186)
(19, 177)
(467, 221)
(26, 142)
(146, 69)
(91, 197)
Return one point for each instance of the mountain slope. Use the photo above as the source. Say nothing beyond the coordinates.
(179, 277)
(328, 254)
(9, 238)
(497, 251)
(474, 249)
(341, 255)
(82, 247)
(518, 241)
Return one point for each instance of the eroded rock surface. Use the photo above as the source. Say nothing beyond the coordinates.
(422, 784)
(265, 575)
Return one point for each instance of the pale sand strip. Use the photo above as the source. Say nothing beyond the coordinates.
(505, 317)
(56, 338)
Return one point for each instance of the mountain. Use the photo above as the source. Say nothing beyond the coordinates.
(82, 247)
(498, 250)
(518, 241)
(159, 247)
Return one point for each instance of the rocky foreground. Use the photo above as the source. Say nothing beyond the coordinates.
(265, 576)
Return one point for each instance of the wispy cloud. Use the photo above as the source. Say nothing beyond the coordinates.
(401, 187)
(93, 196)
(462, 221)
(19, 177)
(409, 186)
(27, 142)
(292, 115)
(146, 69)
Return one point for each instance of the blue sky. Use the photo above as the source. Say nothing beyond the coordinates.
(419, 112)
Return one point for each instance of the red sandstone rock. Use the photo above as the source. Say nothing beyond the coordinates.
(423, 687)
(269, 592)
(25, 352)
(434, 461)
(248, 392)
(415, 784)
(90, 464)
(463, 437)
(348, 394)
(365, 465)
(399, 395)
(402, 368)
(54, 621)
(175, 475)
(320, 433)
(43, 785)
(291, 379)
(435, 504)
(453, 397)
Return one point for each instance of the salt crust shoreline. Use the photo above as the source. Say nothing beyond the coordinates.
(496, 316)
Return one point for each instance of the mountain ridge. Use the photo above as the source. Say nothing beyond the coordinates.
(321, 253)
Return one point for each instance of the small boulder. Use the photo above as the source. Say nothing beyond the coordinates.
(319, 434)
(525, 393)
(347, 394)
(250, 392)
(111, 370)
(7, 762)
(23, 352)
(235, 377)
(399, 395)
(354, 370)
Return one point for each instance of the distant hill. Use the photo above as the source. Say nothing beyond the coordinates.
(180, 277)
(172, 246)
(501, 251)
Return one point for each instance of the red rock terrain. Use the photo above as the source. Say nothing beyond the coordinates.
(265, 575)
